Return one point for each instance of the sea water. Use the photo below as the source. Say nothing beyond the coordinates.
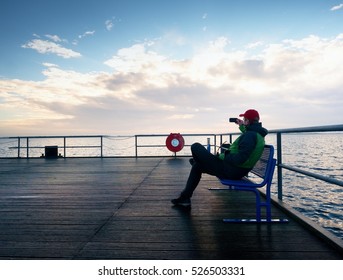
(319, 153)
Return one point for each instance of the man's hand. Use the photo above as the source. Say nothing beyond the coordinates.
(239, 122)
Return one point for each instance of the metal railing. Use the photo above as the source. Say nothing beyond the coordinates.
(281, 166)
(23, 142)
(25, 145)
(162, 137)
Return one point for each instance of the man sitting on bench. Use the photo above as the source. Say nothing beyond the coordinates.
(234, 164)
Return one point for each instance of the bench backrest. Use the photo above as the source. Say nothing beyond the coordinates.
(264, 165)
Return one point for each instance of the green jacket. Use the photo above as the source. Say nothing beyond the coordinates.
(247, 149)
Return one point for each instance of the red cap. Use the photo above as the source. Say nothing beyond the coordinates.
(250, 114)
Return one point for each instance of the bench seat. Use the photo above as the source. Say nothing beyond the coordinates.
(261, 175)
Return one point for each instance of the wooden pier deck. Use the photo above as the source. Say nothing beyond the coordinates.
(119, 208)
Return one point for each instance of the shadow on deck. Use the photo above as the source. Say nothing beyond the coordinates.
(119, 208)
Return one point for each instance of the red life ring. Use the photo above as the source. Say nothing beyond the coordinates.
(175, 142)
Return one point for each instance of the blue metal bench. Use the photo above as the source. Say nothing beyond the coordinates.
(263, 170)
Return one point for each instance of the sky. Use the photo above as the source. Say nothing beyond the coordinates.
(125, 67)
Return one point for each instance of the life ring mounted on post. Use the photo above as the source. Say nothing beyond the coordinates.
(175, 142)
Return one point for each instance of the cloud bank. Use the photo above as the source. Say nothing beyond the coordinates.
(292, 83)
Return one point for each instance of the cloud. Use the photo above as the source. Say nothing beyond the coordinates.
(254, 45)
(292, 83)
(87, 33)
(109, 24)
(337, 7)
(136, 59)
(54, 38)
(48, 64)
(43, 46)
(182, 117)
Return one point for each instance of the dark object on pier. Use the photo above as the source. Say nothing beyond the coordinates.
(51, 151)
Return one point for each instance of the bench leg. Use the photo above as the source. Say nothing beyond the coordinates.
(259, 205)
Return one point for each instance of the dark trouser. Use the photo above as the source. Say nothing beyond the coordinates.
(205, 162)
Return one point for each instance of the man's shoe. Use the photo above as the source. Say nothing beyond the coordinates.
(185, 202)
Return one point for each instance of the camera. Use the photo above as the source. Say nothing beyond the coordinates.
(233, 120)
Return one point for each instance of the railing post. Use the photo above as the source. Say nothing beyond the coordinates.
(27, 147)
(101, 145)
(136, 149)
(18, 147)
(279, 163)
(64, 147)
(215, 144)
(209, 144)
